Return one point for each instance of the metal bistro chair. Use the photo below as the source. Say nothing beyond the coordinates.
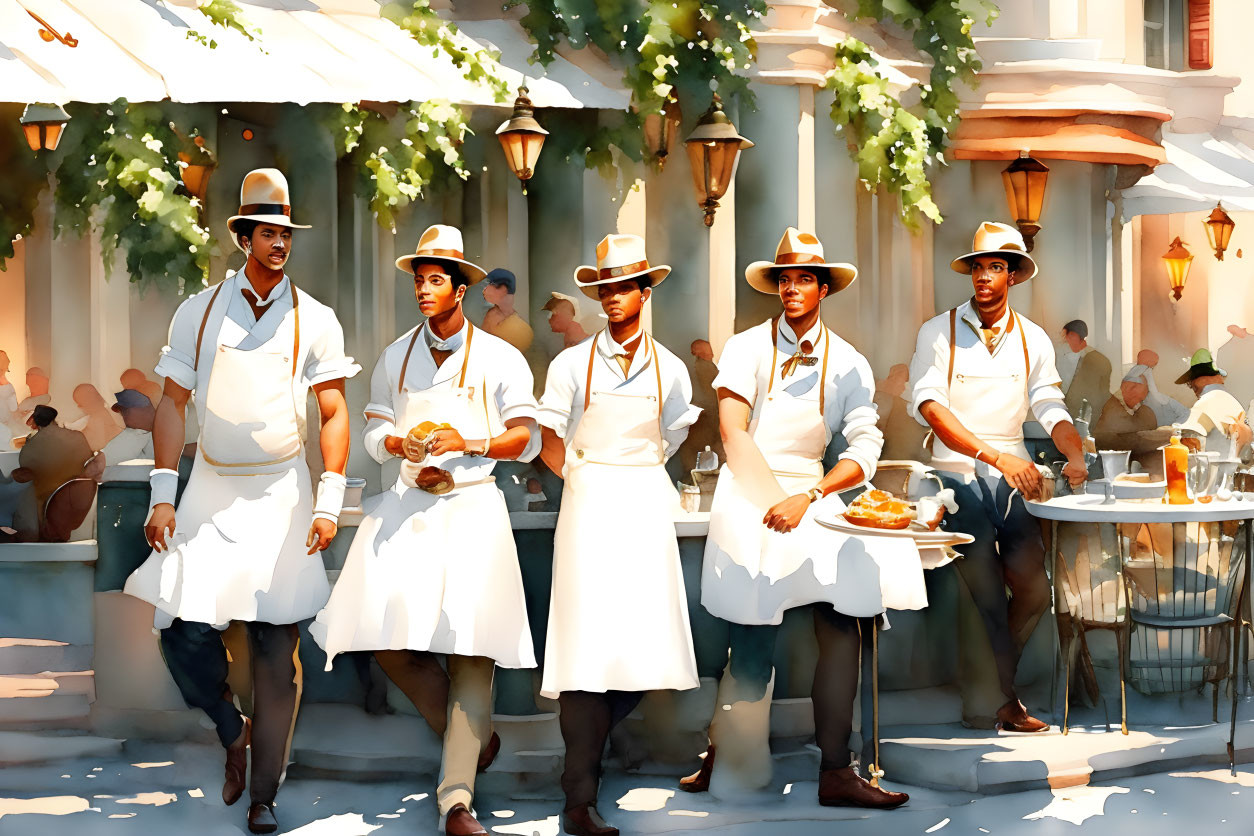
(1182, 595)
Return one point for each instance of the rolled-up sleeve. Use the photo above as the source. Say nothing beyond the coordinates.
(515, 401)
(678, 413)
(326, 359)
(380, 414)
(1045, 388)
(178, 359)
(558, 397)
(929, 370)
(738, 369)
(856, 395)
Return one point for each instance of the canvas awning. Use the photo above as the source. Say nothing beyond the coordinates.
(1201, 170)
(328, 51)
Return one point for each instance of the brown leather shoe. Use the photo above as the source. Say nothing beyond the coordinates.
(261, 819)
(846, 788)
(489, 753)
(459, 822)
(1013, 717)
(699, 781)
(586, 821)
(236, 766)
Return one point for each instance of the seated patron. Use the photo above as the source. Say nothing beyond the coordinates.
(52, 456)
(1127, 422)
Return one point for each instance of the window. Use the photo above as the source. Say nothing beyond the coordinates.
(1164, 23)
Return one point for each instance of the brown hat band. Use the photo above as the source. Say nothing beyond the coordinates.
(266, 209)
(627, 269)
(798, 258)
(439, 253)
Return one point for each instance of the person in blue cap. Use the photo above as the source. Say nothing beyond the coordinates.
(502, 320)
(135, 441)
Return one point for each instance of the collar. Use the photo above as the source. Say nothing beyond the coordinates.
(788, 338)
(1214, 387)
(451, 344)
(971, 316)
(1131, 410)
(610, 349)
(276, 292)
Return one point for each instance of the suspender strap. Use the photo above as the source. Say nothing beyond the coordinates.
(827, 343)
(650, 344)
(200, 335)
(953, 343)
(461, 380)
(587, 387)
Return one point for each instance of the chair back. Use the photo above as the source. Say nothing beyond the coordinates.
(66, 509)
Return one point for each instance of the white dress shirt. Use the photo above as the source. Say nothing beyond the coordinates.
(128, 445)
(561, 406)
(1068, 363)
(745, 368)
(1213, 413)
(496, 369)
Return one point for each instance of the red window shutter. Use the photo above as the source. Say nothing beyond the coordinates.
(1201, 35)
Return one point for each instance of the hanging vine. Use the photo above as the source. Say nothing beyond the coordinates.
(124, 179)
(226, 14)
(478, 65)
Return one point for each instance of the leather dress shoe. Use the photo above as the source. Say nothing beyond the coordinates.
(699, 781)
(846, 788)
(459, 822)
(586, 821)
(261, 819)
(489, 753)
(1013, 717)
(236, 766)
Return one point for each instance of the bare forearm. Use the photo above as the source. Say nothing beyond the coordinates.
(169, 429)
(846, 474)
(953, 434)
(552, 451)
(334, 442)
(1067, 440)
(510, 444)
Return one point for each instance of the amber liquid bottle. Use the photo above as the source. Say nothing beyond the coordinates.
(1176, 464)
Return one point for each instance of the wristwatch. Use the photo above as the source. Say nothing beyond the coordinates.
(815, 494)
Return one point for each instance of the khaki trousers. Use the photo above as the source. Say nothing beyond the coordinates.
(457, 704)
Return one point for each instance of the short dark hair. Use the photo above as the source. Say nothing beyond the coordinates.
(824, 278)
(1013, 262)
(244, 228)
(458, 277)
(1077, 327)
(43, 416)
(644, 283)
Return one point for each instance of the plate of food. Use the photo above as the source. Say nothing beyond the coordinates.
(878, 513)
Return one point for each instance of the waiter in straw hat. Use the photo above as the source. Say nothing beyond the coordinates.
(785, 387)
(977, 371)
(433, 568)
(615, 407)
(244, 543)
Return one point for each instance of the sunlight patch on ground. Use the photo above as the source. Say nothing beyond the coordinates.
(1076, 804)
(645, 799)
(937, 826)
(502, 814)
(346, 824)
(418, 796)
(53, 805)
(156, 765)
(196, 793)
(694, 814)
(151, 799)
(1223, 776)
(539, 827)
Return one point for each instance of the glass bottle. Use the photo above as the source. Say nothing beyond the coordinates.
(1176, 465)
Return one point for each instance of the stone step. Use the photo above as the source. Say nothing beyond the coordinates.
(47, 684)
(343, 738)
(35, 655)
(534, 732)
(20, 748)
(55, 710)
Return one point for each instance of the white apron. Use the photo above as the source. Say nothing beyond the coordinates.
(618, 613)
(238, 551)
(992, 405)
(435, 573)
(752, 575)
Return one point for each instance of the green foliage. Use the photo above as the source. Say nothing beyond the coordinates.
(893, 145)
(123, 176)
(397, 158)
(429, 29)
(226, 14)
(23, 180)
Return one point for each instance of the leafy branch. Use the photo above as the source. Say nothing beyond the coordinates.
(21, 185)
(478, 65)
(226, 14)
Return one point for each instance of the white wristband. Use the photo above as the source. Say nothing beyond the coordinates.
(165, 486)
(330, 496)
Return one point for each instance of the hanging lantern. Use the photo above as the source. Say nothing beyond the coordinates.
(43, 125)
(1178, 261)
(714, 149)
(522, 138)
(198, 164)
(1025, 180)
(659, 132)
(1219, 230)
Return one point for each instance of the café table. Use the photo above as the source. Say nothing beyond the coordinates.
(1096, 508)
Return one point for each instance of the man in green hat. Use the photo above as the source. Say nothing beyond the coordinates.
(1216, 416)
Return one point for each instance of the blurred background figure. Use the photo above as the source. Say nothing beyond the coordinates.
(704, 433)
(52, 458)
(135, 441)
(1085, 372)
(502, 319)
(903, 436)
(1216, 415)
(1236, 357)
(36, 393)
(1127, 422)
(99, 424)
(564, 319)
(137, 380)
(11, 420)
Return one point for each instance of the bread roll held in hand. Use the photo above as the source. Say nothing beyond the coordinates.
(415, 444)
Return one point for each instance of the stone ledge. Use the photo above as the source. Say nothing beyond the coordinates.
(79, 551)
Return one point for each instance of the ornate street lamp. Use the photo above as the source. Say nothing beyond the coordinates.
(1025, 180)
(1219, 230)
(43, 125)
(659, 132)
(522, 138)
(1178, 261)
(714, 149)
(198, 164)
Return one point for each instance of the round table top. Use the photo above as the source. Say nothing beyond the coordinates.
(1093, 508)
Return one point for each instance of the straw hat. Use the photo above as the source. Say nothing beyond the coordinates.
(264, 198)
(619, 257)
(799, 249)
(996, 239)
(443, 245)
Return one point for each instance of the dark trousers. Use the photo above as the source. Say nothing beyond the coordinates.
(197, 661)
(586, 720)
(1007, 555)
(835, 687)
